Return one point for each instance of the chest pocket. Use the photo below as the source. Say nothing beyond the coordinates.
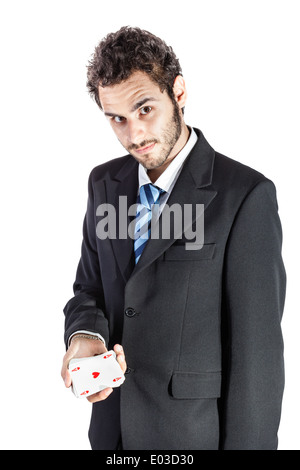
(178, 252)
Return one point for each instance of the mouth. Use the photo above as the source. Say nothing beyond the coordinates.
(146, 149)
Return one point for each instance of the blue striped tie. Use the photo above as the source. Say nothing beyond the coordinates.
(149, 195)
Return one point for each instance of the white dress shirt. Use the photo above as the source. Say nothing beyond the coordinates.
(166, 181)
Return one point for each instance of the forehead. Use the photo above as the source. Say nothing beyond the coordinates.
(127, 93)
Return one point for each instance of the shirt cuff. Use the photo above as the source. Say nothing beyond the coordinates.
(85, 332)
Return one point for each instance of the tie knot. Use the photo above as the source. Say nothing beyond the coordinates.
(150, 194)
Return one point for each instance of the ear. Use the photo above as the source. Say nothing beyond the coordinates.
(179, 90)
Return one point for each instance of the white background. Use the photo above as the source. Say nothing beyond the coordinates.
(240, 59)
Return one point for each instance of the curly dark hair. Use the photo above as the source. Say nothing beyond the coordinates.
(129, 50)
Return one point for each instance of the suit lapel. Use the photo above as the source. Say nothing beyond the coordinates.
(192, 187)
(125, 185)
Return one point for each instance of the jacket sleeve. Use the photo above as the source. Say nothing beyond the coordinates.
(253, 301)
(86, 310)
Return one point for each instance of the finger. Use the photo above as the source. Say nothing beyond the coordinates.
(120, 356)
(67, 379)
(65, 373)
(121, 360)
(66, 376)
(100, 396)
(118, 349)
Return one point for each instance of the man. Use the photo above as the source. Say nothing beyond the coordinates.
(199, 325)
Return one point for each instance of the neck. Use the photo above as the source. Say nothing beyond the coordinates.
(155, 173)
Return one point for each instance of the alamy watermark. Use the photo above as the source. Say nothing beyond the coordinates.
(174, 221)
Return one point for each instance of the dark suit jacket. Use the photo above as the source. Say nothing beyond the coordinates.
(200, 329)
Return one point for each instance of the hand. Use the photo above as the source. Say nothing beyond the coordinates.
(83, 347)
(107, 391)
(80, 347)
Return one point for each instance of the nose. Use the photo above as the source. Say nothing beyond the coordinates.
(135, 132)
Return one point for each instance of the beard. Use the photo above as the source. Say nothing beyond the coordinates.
(169, 138)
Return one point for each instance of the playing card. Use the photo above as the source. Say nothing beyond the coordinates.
(92, 374)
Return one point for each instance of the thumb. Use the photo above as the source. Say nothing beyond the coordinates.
(67, 379)
(66, 376)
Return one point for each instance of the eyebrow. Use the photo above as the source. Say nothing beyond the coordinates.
(135, 106)
(141, 102)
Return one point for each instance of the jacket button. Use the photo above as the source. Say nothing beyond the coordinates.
(128, 370)
(130, 312)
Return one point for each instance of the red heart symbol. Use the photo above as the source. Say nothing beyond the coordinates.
(96, 374)
(84, 393)
(116, 380)
(106, 357)
(75, 370)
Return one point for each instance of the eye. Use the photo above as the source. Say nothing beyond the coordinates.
(118, 119)
(146, 110)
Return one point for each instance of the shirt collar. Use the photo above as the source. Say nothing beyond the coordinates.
(167, 177)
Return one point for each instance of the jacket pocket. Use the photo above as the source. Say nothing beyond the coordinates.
(180, 253)
(190, 385)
